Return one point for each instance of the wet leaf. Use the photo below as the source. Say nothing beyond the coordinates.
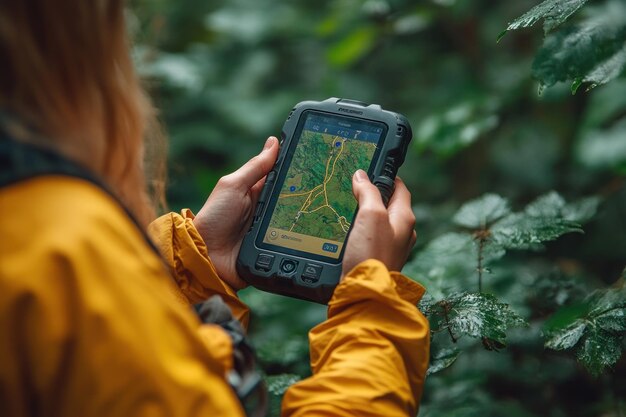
(442, 359)
(448, 263)
(278, 384)
(522, 231)
(426, 304)
(545, 219)
(581, 211)
(567, 337)
(548, 205)
(599, 350)
(554, 12)
(479, 213)
(584, 50)
(481, 315)
(607, 70)
(595, 328)
(552, 205)
(452, 259)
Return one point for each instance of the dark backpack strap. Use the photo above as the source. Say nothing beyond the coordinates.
(23, 161)
(244, 378)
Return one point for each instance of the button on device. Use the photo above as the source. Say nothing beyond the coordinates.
(353, 102)
(257, 211)
(288, 266)
(264, 261)
(269, 180)
(330, 247)
(311, 273)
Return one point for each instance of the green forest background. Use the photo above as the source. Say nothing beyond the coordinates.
(517, 170)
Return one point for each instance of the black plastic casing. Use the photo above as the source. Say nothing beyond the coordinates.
(295, 283)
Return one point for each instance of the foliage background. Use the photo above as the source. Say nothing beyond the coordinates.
(496, 127)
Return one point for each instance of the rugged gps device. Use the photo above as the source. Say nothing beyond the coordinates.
(306, 208)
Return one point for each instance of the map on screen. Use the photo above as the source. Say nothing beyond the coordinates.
(315, 206)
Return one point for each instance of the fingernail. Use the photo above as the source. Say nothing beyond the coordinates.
(360, 176)
(268, 143)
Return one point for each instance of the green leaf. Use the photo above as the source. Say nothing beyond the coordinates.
(278, 384)
(605, 106)
(565, 317)
(522, 231)
(613, 320)
(608, 70)
(581, 211)
(580, 51)
(443, 263)
(448, 132)
(596, 327)
(479, 213)
(609, 310)
(352, 47)
(603, 148)
(480, 315)
(442, 359)
(547, 205)
(542, 220)
(553, 205)
(554, 12)
(567, 337)
(599, 350)
(448, 263)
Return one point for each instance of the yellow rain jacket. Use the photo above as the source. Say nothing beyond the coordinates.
(92, 324)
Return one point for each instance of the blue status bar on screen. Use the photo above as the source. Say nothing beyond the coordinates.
(344, 127)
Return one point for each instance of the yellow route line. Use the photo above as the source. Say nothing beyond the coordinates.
(314, 210)
(332, 172)
(323, 181)
(339, 218)
(309, 200)
(297, 195)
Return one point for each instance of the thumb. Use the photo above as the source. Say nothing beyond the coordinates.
(256, 168)
(366, 193)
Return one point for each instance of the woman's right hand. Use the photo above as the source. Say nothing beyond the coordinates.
(383, 233)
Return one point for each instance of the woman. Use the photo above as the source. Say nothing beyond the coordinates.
(91, 321)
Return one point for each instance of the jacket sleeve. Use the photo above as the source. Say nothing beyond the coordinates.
(370, 357)
(186, 255)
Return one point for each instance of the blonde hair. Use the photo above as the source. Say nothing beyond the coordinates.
(67, 71)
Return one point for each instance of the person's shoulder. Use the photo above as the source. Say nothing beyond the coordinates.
(65, 214)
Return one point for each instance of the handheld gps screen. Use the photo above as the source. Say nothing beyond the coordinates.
(312, 207)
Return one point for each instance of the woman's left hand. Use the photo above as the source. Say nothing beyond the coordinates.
(226, 216)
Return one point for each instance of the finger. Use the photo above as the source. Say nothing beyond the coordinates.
(367, 194)
(401, 195)
(256, 168)
(256, 189)
(255, 193)
(372, 210)
(401, 214)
